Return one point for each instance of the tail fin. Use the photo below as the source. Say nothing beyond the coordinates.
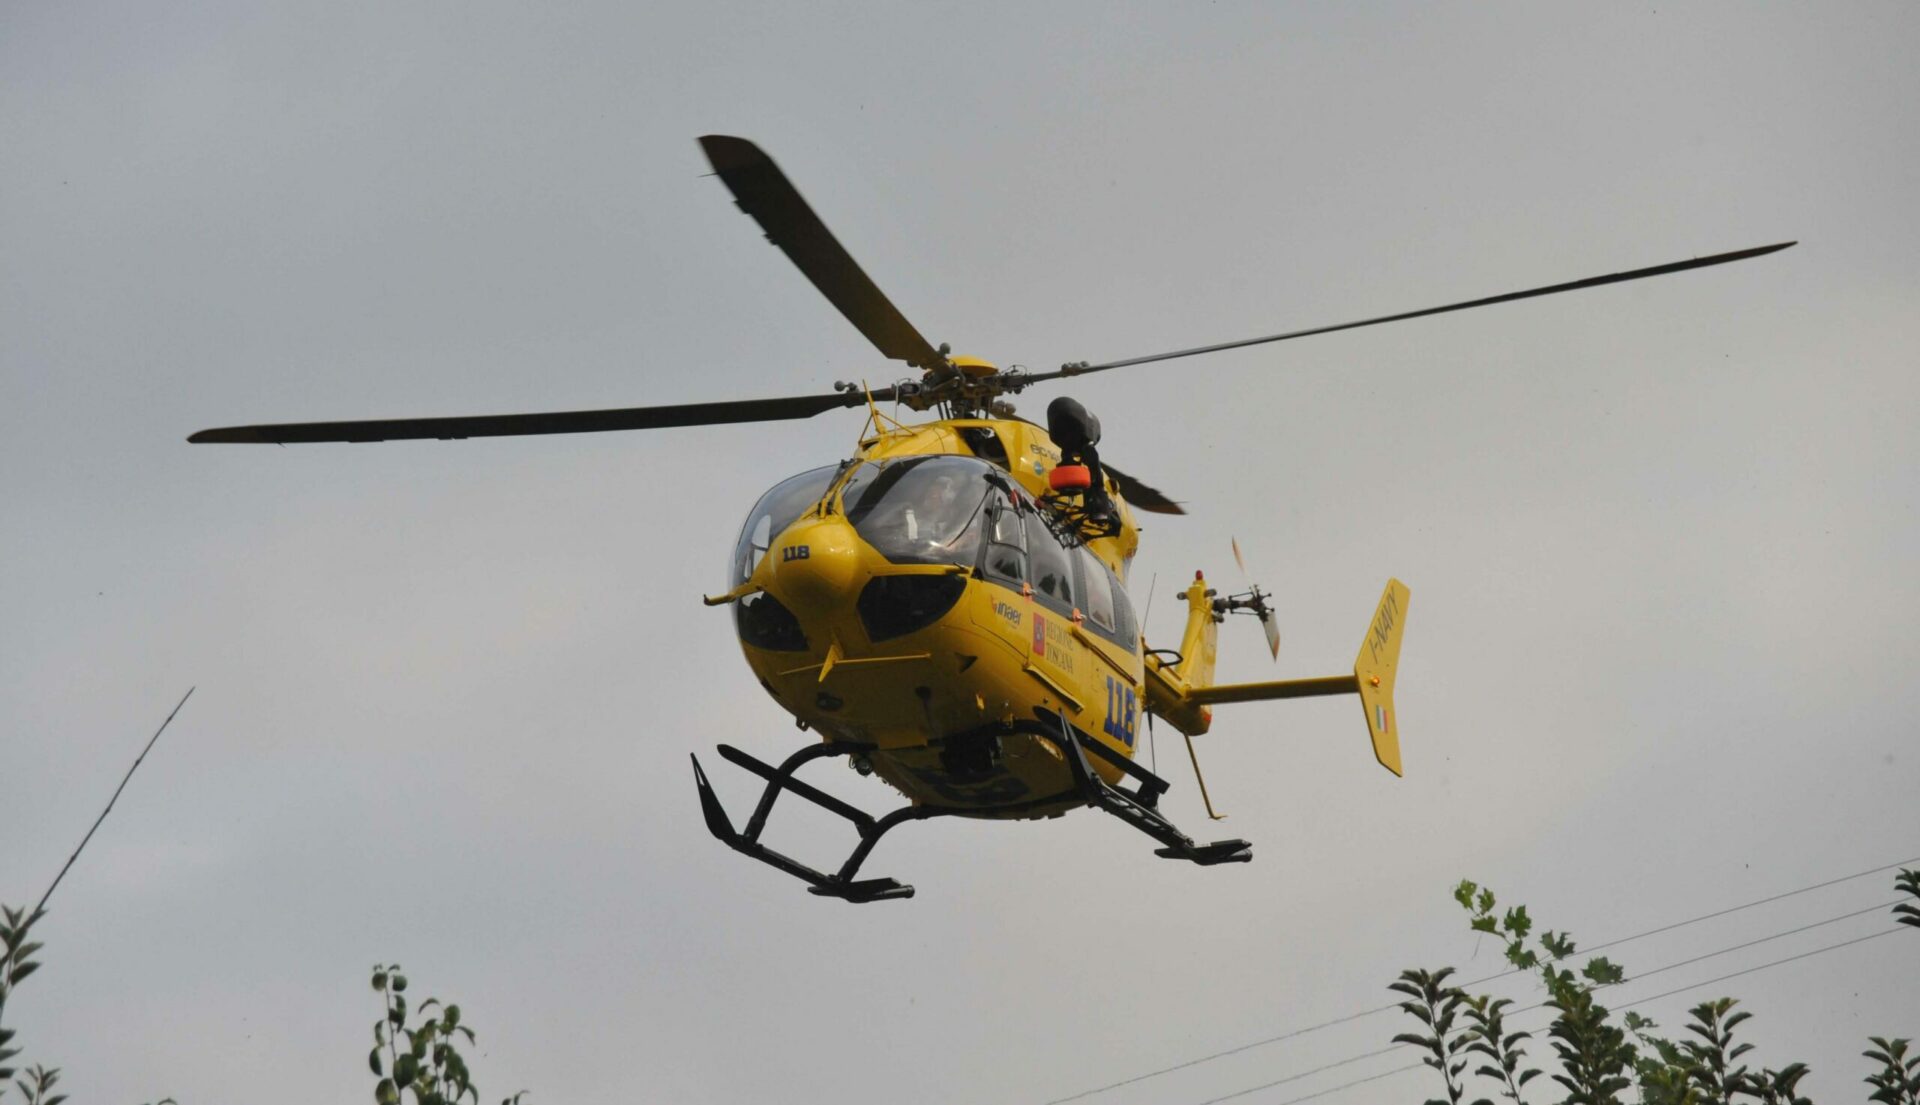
(1183, 699)
(1374, 671)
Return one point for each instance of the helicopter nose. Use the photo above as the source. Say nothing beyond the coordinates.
(817, 566)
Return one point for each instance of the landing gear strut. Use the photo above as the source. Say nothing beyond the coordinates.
(1137, 807)
(841, 884)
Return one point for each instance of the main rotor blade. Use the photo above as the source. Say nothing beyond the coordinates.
(763, 191)
(557, 422)
(1139, 496)
(1574, 285)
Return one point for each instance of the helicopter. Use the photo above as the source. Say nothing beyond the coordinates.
(947, 608)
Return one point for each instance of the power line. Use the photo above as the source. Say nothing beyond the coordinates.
(1760, 901)
(1304, 1074)
(1222, 1054)
(1763, 966)
(1726, 951)
(1531, 1008)
(1355, 1082)
(1297, 1032)
(1762, 940)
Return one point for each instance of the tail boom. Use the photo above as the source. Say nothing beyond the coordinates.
(1185, 706)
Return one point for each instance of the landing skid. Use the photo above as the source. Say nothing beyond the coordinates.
(1135, 807)
(1138, 808)
(840, 884)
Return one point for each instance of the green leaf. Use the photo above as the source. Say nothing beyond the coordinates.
(1417, 1041)
(379, 980)
(1484, 904)
(21, 972)
(386, 1093)
(1464, 893)
(373, 1062)
(400, 983)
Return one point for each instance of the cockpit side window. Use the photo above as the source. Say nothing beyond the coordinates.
(1109, 611)
(1006, 559)
(1126, 627)
(770, 517)
(1096, 591)
(1051, 566)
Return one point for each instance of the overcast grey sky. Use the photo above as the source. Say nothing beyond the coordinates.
(1661, 538)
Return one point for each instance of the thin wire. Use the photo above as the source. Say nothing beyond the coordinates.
(1729, 950)
(1761, 901)
(116, 797)
(1717, 913)
(1302, 1074)
(1628, 1005)
(1762, 967)
(1475, 982)
(1223, 1054)
(1355, 1082)
(1763, 939)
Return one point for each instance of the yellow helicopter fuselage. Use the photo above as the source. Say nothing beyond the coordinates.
(1012, 631)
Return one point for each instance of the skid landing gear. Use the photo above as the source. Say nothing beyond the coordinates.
(841, 884)
(1137, 807)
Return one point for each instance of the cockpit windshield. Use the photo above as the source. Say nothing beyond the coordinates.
(775, 511)
(920, 509)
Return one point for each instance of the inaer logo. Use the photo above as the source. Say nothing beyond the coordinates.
(1039, 635)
